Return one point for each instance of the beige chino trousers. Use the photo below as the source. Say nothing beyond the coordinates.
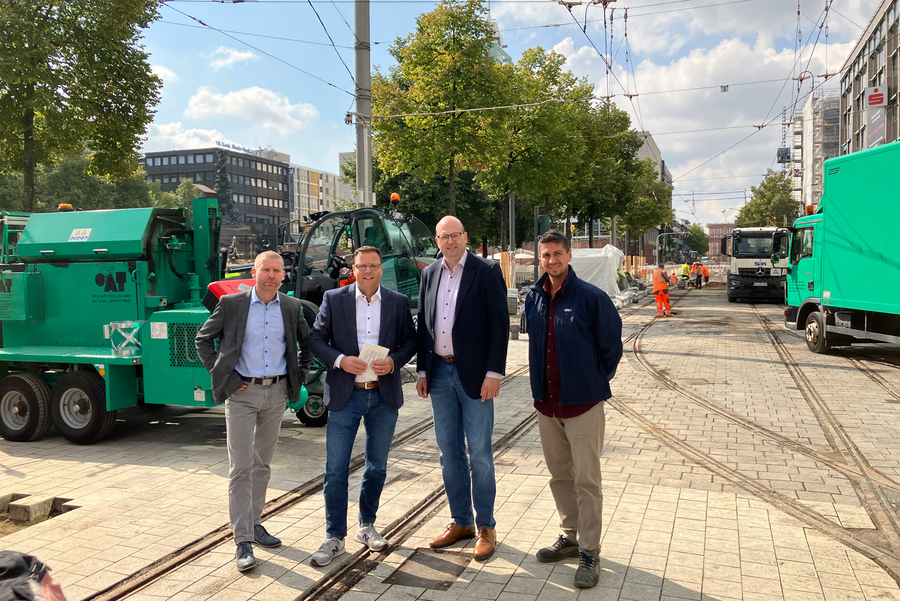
(572, 448)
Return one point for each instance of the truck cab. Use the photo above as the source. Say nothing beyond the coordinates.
(750, 272)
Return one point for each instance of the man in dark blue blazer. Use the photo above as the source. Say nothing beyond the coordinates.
(462, 341)
(351, 317)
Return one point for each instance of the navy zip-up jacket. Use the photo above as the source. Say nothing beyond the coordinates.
(588, 340)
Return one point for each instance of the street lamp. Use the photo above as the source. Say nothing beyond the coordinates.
(658, 242)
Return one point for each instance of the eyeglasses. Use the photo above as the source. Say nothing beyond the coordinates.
(368, 267)
(454, 236)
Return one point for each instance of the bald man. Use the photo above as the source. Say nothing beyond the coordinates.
(462, 340)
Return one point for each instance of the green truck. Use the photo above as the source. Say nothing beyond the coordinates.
(843, 273)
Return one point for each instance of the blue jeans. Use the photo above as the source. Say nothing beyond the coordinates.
(458, 418)
(379, 420)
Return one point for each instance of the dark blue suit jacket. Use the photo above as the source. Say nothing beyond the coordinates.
(480, 326)
(334, 333)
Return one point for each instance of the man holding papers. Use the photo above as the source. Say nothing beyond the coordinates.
(364, 334)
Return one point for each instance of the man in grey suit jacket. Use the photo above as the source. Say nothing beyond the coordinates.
(249, 345)
(349, 318)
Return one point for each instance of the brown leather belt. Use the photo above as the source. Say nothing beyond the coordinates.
(367, 385)
(450, 359)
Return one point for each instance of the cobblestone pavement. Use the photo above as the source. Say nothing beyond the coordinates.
(725, 478)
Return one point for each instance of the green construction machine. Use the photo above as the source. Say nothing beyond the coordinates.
(99, 311)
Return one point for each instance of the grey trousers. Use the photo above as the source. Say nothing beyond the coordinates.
(253, 422)
(572, 448)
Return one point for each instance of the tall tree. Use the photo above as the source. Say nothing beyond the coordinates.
(73, 74)
(771, 202)
(697, 239)
(535, 148)
(442, 68)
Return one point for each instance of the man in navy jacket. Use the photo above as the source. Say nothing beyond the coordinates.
(350, 317)
(461, 356)
(574, 346)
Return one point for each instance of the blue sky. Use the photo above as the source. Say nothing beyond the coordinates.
(264, 74)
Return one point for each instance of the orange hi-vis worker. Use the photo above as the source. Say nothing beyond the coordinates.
(673, 280)
(705, 270)
(661, 290)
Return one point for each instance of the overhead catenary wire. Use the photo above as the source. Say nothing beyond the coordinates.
(482, 108)
(325, 29)
(167, 4)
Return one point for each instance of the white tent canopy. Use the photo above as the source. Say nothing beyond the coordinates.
(599, 266)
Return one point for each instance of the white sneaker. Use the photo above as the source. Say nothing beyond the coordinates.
(367, 535)
(331, 548)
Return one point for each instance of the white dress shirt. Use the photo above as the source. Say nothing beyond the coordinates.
(368, 323)
(445, 310)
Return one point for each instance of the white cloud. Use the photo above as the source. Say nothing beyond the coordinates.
(271, 110)
(173, 136)
(228, 57)
(691, 154)
(164, 73)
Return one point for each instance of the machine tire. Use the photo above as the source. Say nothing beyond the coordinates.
(78, 407)
(310, 311)
(815, 333)
(24, 408)
(732, 299)
(314, 413)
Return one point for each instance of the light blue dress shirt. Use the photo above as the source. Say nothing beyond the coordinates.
(264, 351)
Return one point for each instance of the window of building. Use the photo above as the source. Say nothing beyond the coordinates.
(181, 160)
(209, 158)
(199, 177)
(190, 159)
(165, 179)
(165, 161)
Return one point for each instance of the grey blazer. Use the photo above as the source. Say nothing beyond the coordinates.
(334, 333)
(220, 339)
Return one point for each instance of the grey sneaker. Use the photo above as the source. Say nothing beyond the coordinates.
(331, 548)
(367, 535)
(588, 573)
(562, 548)
(263, 538)
(244, 557)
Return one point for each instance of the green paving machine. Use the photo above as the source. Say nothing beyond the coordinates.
(99, 311)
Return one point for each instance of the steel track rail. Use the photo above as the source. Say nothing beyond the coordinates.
(202, 545)
(872, 495)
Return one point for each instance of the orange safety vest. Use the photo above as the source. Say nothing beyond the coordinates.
(705, 271)
(659, 282)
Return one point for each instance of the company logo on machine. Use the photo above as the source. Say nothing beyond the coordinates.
(5, 286)
(80, 235)
(111, 282)
(760, 271)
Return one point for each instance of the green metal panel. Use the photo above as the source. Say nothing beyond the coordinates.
(857, 244)
(86, 235)
(173, 373)
(121, 385)
(20, 296)
(78, 299)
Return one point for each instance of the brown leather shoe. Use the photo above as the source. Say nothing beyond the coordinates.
(452, 534)
(485, 543)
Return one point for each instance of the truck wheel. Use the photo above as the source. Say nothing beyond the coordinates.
(24, 408)
(732, 299)
(815, 333)
(314, 413)
(78, 407)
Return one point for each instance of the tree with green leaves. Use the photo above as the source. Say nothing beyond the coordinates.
(443, 71)
(73, 75)
(771, 202)
(697, 239)
(602, 186)
(535, 149)
(649, 208)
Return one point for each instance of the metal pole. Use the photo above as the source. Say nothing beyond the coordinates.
(537, 224)
(363, 103)
(512, 239)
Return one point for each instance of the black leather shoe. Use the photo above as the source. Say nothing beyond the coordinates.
(244, 557)
(263, 538)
